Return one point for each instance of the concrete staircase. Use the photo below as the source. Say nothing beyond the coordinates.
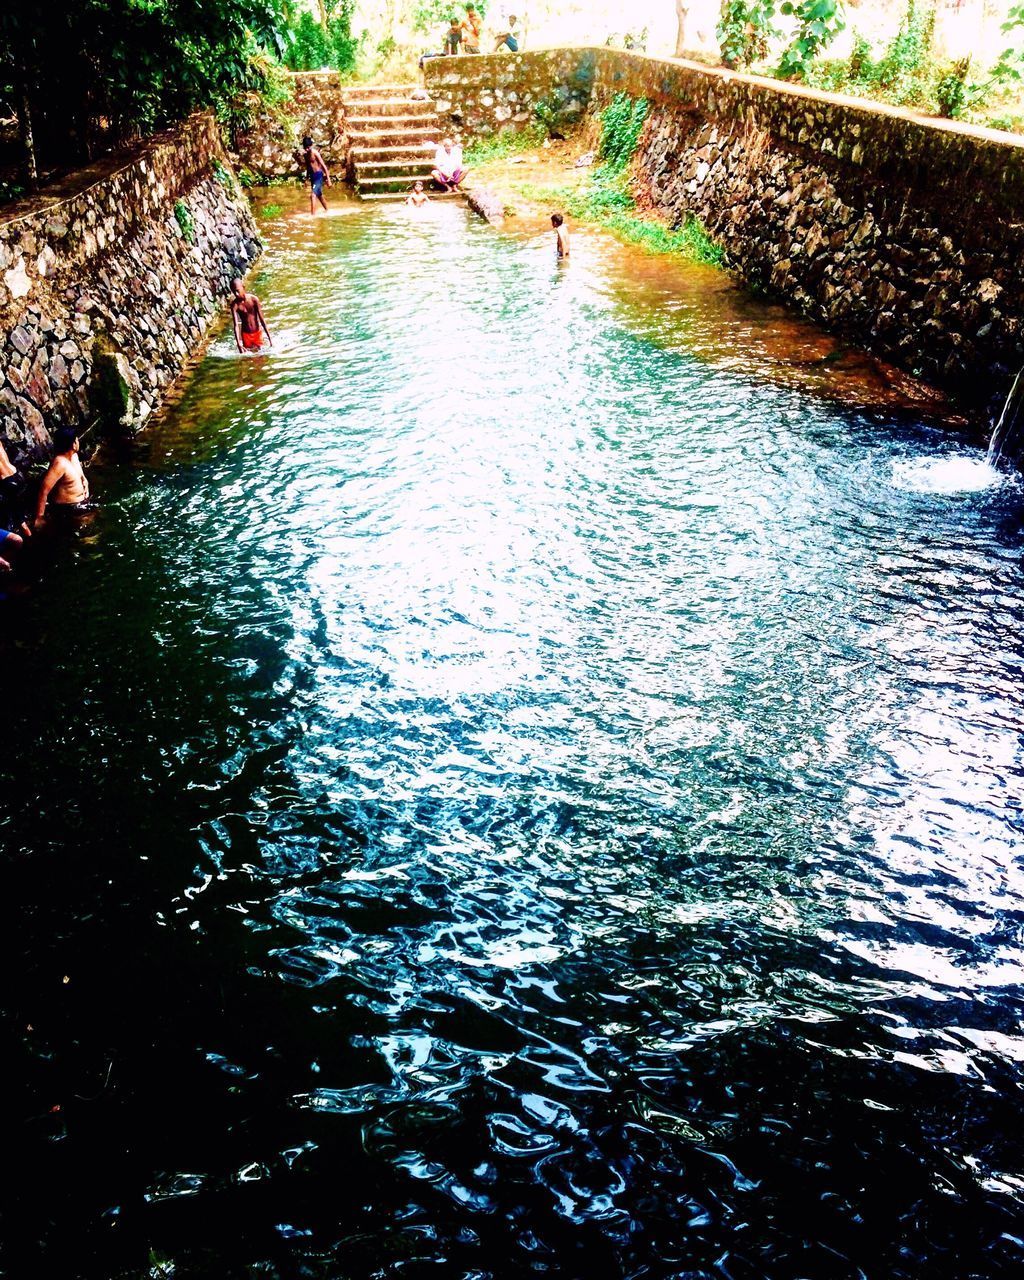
(392, 136)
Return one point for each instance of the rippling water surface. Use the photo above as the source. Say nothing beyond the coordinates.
(519, 781)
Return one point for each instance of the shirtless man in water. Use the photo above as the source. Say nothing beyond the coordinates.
(65, 479)
(247, 317)
(13, 530)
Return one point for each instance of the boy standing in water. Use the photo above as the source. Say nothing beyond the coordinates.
(418, 197)
(317, 173)
(561, 236)
(247, 318)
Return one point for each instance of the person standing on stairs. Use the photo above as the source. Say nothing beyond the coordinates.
(317, 174)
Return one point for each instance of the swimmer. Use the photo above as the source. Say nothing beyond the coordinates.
(418, 197)
(65, 479)
(12, 491)
(317, 173)
(247, 317)
(561, 235)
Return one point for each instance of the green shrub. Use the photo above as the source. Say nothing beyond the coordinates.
(745, 30)
(271, 211)
(428, 14)
(622, 122)
(183, 216)
(951, 92)
(818, 24)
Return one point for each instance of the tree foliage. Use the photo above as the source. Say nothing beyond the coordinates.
(310, 44)
(428, 14)
(93, 72)
(747, 29)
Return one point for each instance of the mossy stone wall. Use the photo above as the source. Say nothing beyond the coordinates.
(107, 257)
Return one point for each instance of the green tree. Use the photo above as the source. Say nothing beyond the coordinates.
(85, 74)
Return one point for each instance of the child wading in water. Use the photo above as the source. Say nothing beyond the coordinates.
(418, 197)
(247, 318)
(561, 235)
(317, 173)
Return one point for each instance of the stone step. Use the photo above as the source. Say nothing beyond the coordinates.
(369, 185)
(394, 168)
(401, 195)
(388, 107)
(399, 151)
(398, 124)
(394, 138)
(355, 91)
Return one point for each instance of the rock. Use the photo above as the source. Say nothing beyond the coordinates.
(21, 340)
(17, 280)
(110, 387)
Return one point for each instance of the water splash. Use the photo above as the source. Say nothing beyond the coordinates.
(953, 473)
(1007, 420)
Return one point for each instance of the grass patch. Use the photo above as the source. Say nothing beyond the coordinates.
(499, 146)
(607, 203)
(271, 211)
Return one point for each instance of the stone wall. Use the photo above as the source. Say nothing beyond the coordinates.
(903, 234)
(130, 260)
(270, 149)
(484, 94)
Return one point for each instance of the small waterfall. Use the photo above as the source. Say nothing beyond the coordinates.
(1007, 419)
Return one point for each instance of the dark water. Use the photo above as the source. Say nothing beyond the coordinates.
(495, 793)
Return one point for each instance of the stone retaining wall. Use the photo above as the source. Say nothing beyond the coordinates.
(131, 260)
(903, 234)
(484, 94)
(270, 149)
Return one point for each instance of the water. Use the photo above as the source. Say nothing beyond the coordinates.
(523, 780)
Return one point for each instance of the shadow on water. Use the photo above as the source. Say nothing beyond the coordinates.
(495, 794)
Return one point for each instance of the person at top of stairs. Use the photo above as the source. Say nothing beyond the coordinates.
(471, 30)
(317, 174)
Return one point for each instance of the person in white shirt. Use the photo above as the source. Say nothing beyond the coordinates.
(448, 170)
(508, 35)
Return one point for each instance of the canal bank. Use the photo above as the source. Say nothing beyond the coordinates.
(112, 280)
(900, 233)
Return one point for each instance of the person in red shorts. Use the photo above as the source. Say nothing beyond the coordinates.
(247, 316)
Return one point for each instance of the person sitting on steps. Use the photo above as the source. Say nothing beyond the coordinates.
(448, 171)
